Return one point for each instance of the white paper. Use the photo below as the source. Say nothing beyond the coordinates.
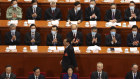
(60, 48)
(14, 22)
(132, 23)
(118, 49)
(135, 0)
(31, 21)
(132, 49)
(76, 48)
(52, 48)
(74, 22)
(113, 24)
(55, 22)
(94, 48)
(93, 23)
(72, 0)
(12, 47)
(33, 48)
(27, 0)
(52, 0)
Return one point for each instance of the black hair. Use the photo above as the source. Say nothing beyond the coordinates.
(70, 66)
(77, 3)
(32, 25)
(33, 1)
(35, 68)
(132, 2)
(54, 26)
(8, 66)
(112, 27)
(112, 4)
(135, 26)
(94, 28)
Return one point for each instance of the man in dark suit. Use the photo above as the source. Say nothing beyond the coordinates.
(92, 13)
(54, 38)
(93, 38)
(134, 74)
(99, 74)
(113, 14)
(75, 36)
(32, 37)
(34, 12)
(53, 13)
(113, 39)
(75, 14)
(133, 39)
(132, 13)
(36, 74)
(68, 57)
(12, 37)
(8, 73)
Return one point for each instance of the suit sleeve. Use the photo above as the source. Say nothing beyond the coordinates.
(127, 76)
(92, 76)
(98, 40)
(119, 16)
(118, 41)
(126, 15)
(129, 43)
(28, 14)
(17, 41)
(38, 39)
(60, 15)
(81, 39)
(49, 42)
(46, 14)
(81, 16)
(98, 14)
(72, 56)
(59, 41)
(7, 39)
(27, 40)
(68, 16)
(88, 41)
(39, 14)
(106, 16)
(108, 42)
(106, 76)
(87, 16)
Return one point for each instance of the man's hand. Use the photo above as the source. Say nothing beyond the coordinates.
(14, 37)
(33, 40)
(34, 15)
(14, 15)
(79, 21)
(54, 41)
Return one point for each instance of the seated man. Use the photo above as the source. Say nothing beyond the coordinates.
(113, 14)
(75, 14)
(53, 13)
(99, 74)
(92, 13)
(93, 38)
(75, 36)
(12, 37)
(54, 38)
(133, 74)
(133, 39)
(132, 13)
(14, 12)
(8, 73)
(34, 12)
(32, 37)
(36, 74)
(113, 39)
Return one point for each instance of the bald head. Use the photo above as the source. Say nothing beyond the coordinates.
(99, 66)
(74, 27)
(134, 68)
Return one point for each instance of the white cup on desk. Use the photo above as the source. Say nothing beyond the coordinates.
(124, 24)
(126, 50)
(7, 49)
(25, 49)
(67, 24)
(87, 24)
(49, 24)
(25, 23)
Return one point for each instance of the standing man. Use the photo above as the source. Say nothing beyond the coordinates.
(68, 57)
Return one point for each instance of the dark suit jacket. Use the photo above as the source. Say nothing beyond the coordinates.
(108, 15)
(66, 76)
(68, 58)
(49, 14)
(75, 17)
(8, 38)
(78, 36)
(3, 76)
(50, 39)
(28, 38)
(130, 39)
(89, 39)
(30, 12)
(88, 13)
(127, 14)
(109, 40)
(130, 76)
(33, 77)
(94, 75)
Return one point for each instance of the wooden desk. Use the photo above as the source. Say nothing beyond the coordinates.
(116, 64)
(64, 6)
(44, 30)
